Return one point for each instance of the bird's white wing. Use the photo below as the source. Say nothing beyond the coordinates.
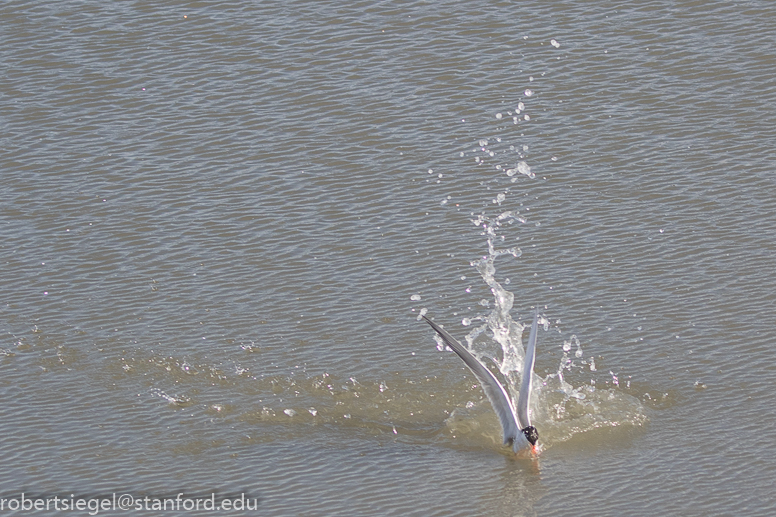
(524, 397)
(496, 394)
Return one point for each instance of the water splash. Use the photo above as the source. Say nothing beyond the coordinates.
(559, 409)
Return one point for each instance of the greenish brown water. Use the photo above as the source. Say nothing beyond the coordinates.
(219, 223)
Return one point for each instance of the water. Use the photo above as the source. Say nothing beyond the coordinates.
(219, 223)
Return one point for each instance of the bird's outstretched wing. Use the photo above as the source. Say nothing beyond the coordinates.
(524, 398)
(493, 389)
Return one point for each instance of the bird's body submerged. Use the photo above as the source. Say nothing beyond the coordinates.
(515, 420)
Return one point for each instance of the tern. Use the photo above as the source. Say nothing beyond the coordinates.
(515, 422)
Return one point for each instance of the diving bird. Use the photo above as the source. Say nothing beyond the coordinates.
(515, 422)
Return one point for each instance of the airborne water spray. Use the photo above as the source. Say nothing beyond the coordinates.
(561, 409)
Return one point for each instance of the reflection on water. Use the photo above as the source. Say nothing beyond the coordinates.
(518, 493)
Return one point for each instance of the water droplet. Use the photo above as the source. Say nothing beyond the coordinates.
(524, 168)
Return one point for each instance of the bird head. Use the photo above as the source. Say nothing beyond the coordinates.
(531, 434)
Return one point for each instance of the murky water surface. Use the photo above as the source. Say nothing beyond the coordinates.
(219, 223)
